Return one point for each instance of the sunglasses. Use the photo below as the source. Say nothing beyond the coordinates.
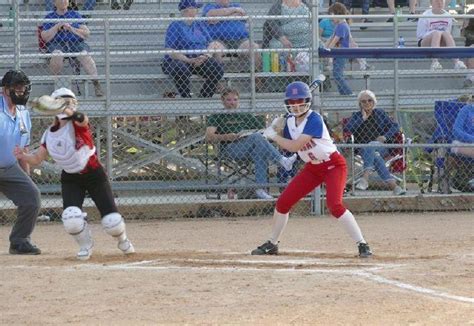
(366, 101)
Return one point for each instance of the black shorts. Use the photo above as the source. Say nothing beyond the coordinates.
(74, 187)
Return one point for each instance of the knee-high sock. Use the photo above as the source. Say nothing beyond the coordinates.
(279, 222)
(350, 225)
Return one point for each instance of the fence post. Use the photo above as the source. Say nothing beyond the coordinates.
(108, 119)
(16, 32)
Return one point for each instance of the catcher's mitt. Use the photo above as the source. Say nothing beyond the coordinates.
(48, 105)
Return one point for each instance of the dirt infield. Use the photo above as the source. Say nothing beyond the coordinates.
(199, 271)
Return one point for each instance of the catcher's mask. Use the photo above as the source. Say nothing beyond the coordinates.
(297, 98)
(69, 96)
(19, 86)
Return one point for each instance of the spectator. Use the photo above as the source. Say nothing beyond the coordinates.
(326, 30)
(231, 131)
(340, 38)
(287, 33)
(66, 37)
(411, 6)
(436, 32)
(463, 131)
(15, 182)
(191, 35)
(468, 32)
(373, 126)
(365, 10)
(231, 34)
(88, 5)
(115, 5)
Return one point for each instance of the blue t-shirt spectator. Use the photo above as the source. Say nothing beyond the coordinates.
(181, 36)
(64, 36)
(327, 26)
(463, 129)
(230, 30)
(343, 31)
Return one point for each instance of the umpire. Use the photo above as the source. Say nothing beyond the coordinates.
(15, 183)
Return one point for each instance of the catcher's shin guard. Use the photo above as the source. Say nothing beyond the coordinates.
(75, 224)
(114, 225)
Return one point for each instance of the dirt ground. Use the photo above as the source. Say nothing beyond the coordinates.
(199, 271)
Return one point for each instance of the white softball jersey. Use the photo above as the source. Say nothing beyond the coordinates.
(321, 146)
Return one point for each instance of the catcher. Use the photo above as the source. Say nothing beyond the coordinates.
(69, 142)
(305, 132)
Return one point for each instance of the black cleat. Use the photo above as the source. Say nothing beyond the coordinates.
(364, 250)
(267, 248)
(24, 248)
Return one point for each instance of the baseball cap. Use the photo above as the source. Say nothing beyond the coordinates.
(183, 4)
(63, 92)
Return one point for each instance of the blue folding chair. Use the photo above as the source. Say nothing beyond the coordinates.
(445, 114)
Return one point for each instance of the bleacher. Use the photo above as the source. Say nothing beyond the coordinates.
(135, 75)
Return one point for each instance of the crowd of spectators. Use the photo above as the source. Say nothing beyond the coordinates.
(217, 35)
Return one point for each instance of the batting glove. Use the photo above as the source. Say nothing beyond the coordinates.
(270, 133)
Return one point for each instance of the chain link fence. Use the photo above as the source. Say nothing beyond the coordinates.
(152, 82)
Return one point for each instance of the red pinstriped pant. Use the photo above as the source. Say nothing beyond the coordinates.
(332, 173)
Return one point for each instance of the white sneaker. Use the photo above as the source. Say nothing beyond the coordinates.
(435, 65)
(262, 194)
(126, 246)
(362, 184)
(84, 254)
(459, 65)
(287, 162)
(398, 191)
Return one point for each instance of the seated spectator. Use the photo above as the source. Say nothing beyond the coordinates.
(326, 30)
(341, 38)
(463, 131)
(191, 35)
(373, 126)
(64, 37)
(115, 5)
(88, 5)
(231, 131)
(229, 34)
(411, 6)
(436, 32)
(468, 32)
(287, 33)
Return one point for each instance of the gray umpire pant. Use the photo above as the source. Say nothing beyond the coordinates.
(17, 186)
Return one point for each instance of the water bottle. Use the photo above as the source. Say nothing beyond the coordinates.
(11, 15)
(290, 63)
(398, 13)
(266, 61)
(275, 61)
(401, 42)
(283, 62)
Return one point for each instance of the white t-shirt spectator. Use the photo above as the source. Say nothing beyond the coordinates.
(427, 26)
